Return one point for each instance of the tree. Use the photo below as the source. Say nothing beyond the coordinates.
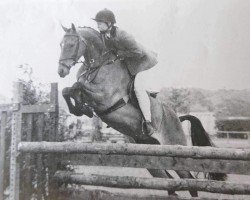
(233, 107)
(177, 99)
(200, 97)
(33, 93)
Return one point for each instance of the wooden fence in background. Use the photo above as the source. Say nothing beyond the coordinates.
(27, 174)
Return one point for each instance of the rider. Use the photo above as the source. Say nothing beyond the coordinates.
(136, 58)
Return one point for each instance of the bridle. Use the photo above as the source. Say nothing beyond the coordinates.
(74, 56)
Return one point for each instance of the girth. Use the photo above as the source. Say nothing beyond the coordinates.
(120, 103)
(124, 100)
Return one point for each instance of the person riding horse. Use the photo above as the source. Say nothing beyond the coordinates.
(103, 81)
(136, 58)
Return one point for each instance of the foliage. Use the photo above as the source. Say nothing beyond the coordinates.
(201, 98)
(186, 100)
(33, 93)
(233, 103)
(233, 124)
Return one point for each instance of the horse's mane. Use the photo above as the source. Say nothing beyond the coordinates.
(92, 36)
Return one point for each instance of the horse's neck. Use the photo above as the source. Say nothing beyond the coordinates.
(91, 53)
(96, 48)
(93, 39)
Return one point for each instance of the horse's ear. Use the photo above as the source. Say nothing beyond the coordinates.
(73, 27)
(64, 28)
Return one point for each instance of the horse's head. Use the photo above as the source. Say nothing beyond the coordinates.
(86, 42)
(71, 50)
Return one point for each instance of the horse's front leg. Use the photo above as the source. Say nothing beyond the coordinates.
(79, 108)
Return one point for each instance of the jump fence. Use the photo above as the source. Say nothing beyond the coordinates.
(48, 153)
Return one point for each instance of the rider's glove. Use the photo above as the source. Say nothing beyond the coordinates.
(121, 54)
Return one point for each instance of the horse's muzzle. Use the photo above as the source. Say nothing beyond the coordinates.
(61, 74)
(62, 71)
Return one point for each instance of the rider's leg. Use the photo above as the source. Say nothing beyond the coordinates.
(143, 100)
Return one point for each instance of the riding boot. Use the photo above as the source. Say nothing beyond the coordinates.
(147, 128)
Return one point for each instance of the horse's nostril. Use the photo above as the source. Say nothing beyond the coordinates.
(60, 72)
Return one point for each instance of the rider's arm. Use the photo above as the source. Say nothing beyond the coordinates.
(129, 47)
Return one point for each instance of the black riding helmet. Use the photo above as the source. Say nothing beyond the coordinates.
(106, 16)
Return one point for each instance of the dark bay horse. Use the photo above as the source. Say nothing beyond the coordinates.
(104, 81)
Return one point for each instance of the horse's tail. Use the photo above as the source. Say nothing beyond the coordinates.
(200, 137)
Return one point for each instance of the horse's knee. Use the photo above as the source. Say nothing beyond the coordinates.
(66, 91)
(76, 86)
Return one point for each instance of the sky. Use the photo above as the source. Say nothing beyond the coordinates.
(200, 43)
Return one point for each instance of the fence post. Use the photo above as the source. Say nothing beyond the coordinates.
(39, 158)
(15, 139)
(2, 152)
(29, 161)
(53, 136)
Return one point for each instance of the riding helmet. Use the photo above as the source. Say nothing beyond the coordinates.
(106, 16)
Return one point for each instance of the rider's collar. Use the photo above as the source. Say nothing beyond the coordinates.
(113, 31)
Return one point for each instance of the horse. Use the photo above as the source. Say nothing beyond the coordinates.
(102, 87)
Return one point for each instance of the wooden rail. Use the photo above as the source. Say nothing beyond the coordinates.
(153, 183)
(136, 149)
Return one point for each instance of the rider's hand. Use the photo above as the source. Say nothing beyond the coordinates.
(120, 54)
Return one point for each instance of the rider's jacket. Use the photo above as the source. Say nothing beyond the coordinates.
(136, 57)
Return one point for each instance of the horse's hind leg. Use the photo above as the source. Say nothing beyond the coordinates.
(171, 132)
(157, 172)
(187, 174)
(162, 174)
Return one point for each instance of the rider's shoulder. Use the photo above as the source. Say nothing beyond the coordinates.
(120, 33)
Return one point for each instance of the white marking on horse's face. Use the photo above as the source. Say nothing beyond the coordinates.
(62, 45)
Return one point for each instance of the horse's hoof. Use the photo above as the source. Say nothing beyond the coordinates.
(77, 113)
(193, 193)
(172, 193)
(144, 137)
(82, 111)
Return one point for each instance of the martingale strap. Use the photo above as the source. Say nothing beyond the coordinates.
(120, 103)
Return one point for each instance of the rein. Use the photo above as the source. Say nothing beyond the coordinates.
(90, 70)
